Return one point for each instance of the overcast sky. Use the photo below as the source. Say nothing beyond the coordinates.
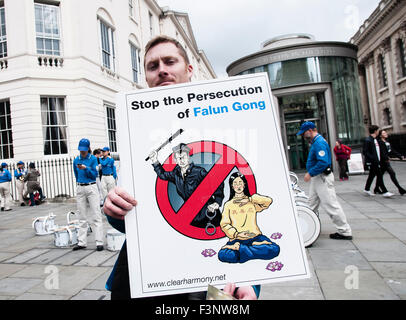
(227, 30)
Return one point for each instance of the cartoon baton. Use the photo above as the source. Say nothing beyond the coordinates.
(177, 133)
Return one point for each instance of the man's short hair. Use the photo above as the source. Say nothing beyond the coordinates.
(373, 128)
(165, 39)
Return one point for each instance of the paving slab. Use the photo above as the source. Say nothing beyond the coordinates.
(72, 257)
(36, 296)
(28, 255)
(389, 250)
(92, 295)
(17, 286)
(71, 280)
(398, 229)
(273, 292)
(96, 258)
(8, 269)
(100, 282)
(36, 271)
(370, 286)
(393, 270)
(338, 259)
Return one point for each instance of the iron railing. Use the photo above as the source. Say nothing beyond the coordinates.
(57, 178)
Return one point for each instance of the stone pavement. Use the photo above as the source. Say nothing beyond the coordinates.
(377, 253)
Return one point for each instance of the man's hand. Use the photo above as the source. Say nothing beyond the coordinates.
(153, 156)
(307, 177)
(118, 203)
(213, 207)
(242, 293)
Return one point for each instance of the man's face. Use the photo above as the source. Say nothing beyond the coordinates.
(165, 66)
(308, 135)
(84, 153)
(182, 159)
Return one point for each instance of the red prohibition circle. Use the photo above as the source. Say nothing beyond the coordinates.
(228, 160)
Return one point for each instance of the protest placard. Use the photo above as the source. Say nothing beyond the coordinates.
(206, 163)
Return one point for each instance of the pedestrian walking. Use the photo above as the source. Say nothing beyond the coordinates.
(19, 174)
(375, 155)
(5, 179)
(386, 166)
(342, 154)
(84, 167)
(321, 177)
(33, 184)
(98, 153)
(109, 173)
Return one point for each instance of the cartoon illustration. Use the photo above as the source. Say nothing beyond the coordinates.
(187, 176)
(239, 223)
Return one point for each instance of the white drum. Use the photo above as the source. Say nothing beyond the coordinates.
(309, 224)
(44, 225)
(115, 239)
(75, 222)
(66, 236)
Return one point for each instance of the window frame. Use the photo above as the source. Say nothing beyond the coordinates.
(402, 57)
(108, 56)
(52, 38)
(111, 131)
(47, 126)
(5, 104)
(135, 67)
(382, 67)
(3, 37)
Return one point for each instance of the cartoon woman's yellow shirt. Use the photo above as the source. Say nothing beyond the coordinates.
(236, 218)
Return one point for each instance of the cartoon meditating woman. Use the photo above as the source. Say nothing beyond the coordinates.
(239, 223)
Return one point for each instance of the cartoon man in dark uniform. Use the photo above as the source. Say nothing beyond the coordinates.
(187, 176)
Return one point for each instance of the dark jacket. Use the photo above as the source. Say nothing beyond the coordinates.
(369, 152)
(186, 186)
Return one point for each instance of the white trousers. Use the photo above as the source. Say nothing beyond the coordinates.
(88, 203)
(99, 187)
(108, 183)
(20, 190)
(5, 195)
(322, 192)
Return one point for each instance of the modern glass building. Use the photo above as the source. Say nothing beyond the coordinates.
(312, 81)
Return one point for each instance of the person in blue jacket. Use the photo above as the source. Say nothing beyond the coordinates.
(321, 177)
(109, 173)
(19, 174)
(87, 196)
(5, 178)
(166, 63)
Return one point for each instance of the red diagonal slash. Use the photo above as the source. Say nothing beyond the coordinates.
(180, 221)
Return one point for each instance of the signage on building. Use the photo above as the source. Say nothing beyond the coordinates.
(206, 163)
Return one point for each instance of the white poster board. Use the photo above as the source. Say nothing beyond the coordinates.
(230, 126)
(356, 163)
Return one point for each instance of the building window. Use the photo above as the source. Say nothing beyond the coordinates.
(151, 22)
(6, 137)
(384, 75)
(107, 41)
(54, 126)
(135, 61)
(402, 57)
(111, 126)
(47, 29)
(3, 34)
(387, 117)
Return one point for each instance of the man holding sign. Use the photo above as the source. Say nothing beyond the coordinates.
(166, 63)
